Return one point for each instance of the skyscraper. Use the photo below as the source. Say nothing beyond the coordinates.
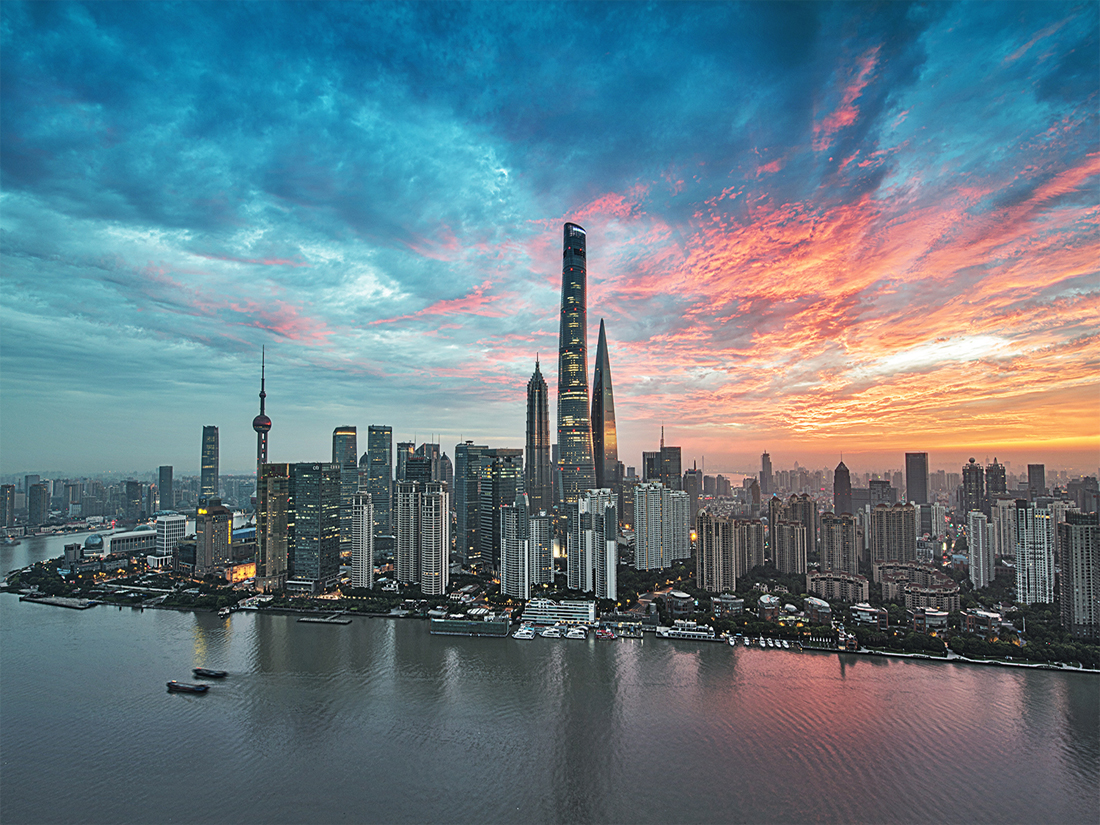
(164, 487)
(916, 477)
(1034, 554)
(592, 543)
(894, 533)
(501, 480)
(536, 471)
(213, 536)
(605, 446)
(423, 535)
(766, 488)
(208, 474)
(362, 540)
(298, 527)
(1079, 582)
(345, 451)
(574, 428)
(715, 565)
(515, 556)
(262, 425)
(38, 504)
(788, 541)
(406, 556)
(996, 485)
(467, 486)
(972, 493)
(7, 505)
(842, 490)
(1036, 481)
(404, 450)
(979, 549)
(840, 547)
(380, 476)
(661, 526)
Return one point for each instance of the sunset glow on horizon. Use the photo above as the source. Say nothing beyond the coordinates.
(812, 229)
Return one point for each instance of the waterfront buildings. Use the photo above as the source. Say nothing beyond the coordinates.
(540, 541)
(515, 558)
(547, 612)
(213, 535)
(715, 561)
(423, 544)
(537, 476)
(362, 539)
(7, 505)
(171, 529)
(576, 464)
(661, 526)
(38, 504)
(1079, 583)
(467, 492)
(208, 475)
(379, 458)
(979, 549)
(838, 585)
(605, 448)
(298, 527)
(916, 477)
(345, 453)
(500, 481)
(592, 547)
(1034, 554)
(406, 557)
(164, 487)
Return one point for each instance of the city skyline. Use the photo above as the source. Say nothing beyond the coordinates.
(813, 230)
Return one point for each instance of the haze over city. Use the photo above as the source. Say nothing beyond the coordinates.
(813, 229)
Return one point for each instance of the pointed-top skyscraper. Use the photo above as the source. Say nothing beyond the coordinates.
(261, 424)
(574, 429)
(536, 470)
(605, 447)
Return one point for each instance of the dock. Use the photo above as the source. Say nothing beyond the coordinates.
(335, 618)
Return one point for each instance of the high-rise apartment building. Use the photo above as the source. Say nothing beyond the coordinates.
(788, 545)
(840, 544)
(515, 556)
(362, 539)
(803, 509)
(894, 533)
(715, 561)
(979, 549)
(171, 529)
(1034, 554)
(916, 477)
(661, 526)
(379, 457)
(605, 445)
(537, 476)
(1003, 522)
(576, 464)
(208, 474)
(693, 485)
(406, 510)
(345, 453)
(540, 541)
(972, 493)
(842, 490)
(164, 488)
(1079, 582)
(423, 517)
(592, 543)
(996, 484)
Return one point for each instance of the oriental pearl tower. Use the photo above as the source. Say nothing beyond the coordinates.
(261, 424)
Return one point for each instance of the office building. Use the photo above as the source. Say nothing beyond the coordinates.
(171, 530)
(661, 526)
(1034, 554)
(1036, 481)
(298, 527)
(7, 505)
(418, 468)
(262, 425)
(38, 504)
(467, 492)
(894, 533)
(515, 557)
(972, 493)
(379, 458)
(996, 484)
(208, 475)
(693, 486)
(345, 453)
(669, 467)
(537, 471)
(213, 535)
(273, 520)
(766, 484)
(576, 464)
(405, 449)
(547, 612)
(979, 549)
(501, 480)
(840, 543)
(362, 539)
(1079, 582)
(131, 506)
(842, 490)
(164, 488)
(916, 477)
(605, 446)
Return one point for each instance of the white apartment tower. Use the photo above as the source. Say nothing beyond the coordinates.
(1034, 554)
(979, 543)
(362, 539)
(662, 530)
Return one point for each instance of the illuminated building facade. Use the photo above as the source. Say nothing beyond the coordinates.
(537, 470)
(262, 425)
(574, 428)
(345, 452)
(379, 457)
(208, 473)
(362, 539)
(605, 446)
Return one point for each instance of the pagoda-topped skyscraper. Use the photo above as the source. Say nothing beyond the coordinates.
(574, 428)
(536, 468)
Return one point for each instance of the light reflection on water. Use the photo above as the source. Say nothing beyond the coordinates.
(379, 721)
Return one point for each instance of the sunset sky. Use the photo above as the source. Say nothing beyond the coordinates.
(813, 229)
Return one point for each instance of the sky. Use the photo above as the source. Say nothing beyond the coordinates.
(819, 230)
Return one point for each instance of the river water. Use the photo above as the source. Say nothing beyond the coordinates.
(378, 721)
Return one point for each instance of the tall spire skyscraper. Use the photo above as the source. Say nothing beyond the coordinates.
(574, 429)
(261, 424)
(605, 446)
(536, 470)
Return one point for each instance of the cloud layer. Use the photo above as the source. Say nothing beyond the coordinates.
(812, 228)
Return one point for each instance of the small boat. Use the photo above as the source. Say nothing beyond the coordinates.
(747, 641)
(771, 642)
(762, 642)
(576, 633)
(225, 611)
(207, 673)
(524, 632)
(550, 633)
(605, 633)
(786, 646)
(184, 687)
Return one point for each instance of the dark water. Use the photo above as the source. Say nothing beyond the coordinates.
(378, 721)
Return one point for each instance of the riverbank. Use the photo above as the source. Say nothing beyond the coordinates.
(957, 659)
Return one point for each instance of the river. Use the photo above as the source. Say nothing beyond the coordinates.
(378, 721)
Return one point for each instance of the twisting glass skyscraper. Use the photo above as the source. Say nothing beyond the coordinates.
(536, 470)
(605, 447)
(574, 430)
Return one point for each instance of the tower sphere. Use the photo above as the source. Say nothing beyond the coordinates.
(261, 423)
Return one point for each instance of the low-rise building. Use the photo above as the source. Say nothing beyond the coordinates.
(680, 605)
(864, 614)
(818, 611)
(768, 608)
(726, 605)
(838, 586)
(548, 612)
(927, 620)
(982, 622)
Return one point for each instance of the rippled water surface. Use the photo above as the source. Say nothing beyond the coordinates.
(378, 721)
